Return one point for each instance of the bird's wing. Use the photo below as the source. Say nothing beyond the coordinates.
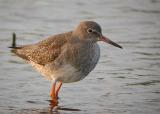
(43, 52)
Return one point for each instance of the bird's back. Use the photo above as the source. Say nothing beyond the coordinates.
(44, 51)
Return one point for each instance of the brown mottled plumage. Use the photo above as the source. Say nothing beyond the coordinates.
(66, 57)
(43, 52)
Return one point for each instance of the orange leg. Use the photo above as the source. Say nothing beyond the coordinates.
(58, 88)
(54, 93)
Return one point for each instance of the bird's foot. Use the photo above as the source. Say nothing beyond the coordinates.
(54, 109)
(54, 104)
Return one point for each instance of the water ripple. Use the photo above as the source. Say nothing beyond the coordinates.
(146, 83)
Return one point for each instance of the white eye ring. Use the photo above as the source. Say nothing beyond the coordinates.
(89, 30)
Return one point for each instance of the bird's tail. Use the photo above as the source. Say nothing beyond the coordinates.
(18, 50)
(14, 47)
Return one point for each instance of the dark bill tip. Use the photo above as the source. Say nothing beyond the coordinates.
(115, 44)
(107, 40)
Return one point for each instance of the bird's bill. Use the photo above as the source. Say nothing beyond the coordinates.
(107, 40)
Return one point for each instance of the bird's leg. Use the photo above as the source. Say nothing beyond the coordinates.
(58, 88)
(53, 94)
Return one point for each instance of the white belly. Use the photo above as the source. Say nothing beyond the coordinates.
(66, 73)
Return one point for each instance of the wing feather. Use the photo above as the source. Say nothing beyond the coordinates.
(45, 51)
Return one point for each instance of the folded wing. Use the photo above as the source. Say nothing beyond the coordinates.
(43, 52)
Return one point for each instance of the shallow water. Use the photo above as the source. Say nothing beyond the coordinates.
(124, 82)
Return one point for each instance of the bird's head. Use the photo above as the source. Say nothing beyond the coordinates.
(90, 31)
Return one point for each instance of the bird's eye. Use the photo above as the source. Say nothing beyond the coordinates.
(89, 30)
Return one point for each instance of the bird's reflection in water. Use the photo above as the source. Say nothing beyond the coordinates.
(52, 109)
(35, 111)
(44, 111)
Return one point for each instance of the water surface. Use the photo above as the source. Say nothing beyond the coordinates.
(124, 82)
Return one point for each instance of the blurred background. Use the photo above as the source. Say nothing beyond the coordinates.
(124, 82)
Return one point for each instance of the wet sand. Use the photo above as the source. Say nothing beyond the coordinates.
(124, 82)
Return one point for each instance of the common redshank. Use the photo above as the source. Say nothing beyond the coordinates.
(66, 57)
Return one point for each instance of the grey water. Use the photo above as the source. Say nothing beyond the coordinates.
(125, 81)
